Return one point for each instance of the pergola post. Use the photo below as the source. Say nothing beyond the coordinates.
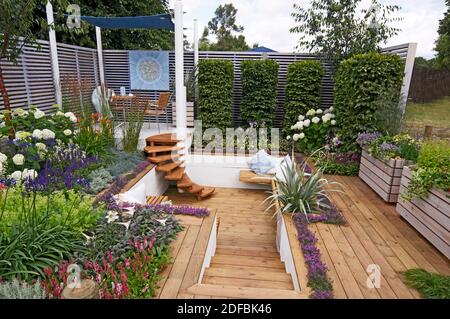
(196, 57)
(409, 67)
(98, 36)
(54, 54)
(180, 89)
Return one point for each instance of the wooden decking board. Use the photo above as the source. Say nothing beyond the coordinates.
(245, 292)
(247, 268)
(248, 273)
(388, 229)
(251, 283)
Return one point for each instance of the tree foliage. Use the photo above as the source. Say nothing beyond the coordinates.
(259, 91)
(338, 29)
(443, 42)
(223, 26)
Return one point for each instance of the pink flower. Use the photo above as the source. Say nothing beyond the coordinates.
(127, 263)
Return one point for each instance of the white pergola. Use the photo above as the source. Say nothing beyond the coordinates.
(180, 89)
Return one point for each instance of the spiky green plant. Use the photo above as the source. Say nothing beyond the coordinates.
(16, 289)
(430, 285)
(301, 192)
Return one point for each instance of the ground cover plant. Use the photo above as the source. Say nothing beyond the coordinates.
(430, 285)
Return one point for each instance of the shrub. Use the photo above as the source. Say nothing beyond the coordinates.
(215, 81)
(432, 170)
(360, 82)
(302, 90)
(259, 91)
(315, 128)
(16, 289)
(99, 180)
(385, 146)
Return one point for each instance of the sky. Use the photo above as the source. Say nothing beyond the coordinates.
(267, 22)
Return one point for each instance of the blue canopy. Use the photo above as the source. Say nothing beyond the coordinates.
(261, 49)
(159, 21)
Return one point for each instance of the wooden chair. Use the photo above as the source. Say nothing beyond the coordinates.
(159, 107)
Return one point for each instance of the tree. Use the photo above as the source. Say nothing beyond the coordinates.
(338, 29)
(19, 26)
(443, 42)
(223, 26)
(120, 39)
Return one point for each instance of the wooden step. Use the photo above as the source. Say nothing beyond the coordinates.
(167, 168)
(241, 292)
(185, 182)
(156, 199)
(248, 273)
(245, 251)
(268, 249)
(206, 192)
(248, 261)
(250, 283)
(163, 158)
(163, 138)
(175, 175)
(194, 189)
(161, 148)
(250, 268)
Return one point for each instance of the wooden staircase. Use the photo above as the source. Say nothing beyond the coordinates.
(162, 150)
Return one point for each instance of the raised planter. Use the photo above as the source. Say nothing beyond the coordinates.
(430, 216)
(383, 176)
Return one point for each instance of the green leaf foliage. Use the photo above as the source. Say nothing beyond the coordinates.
(359, 84)
(259, 91)
(430, 285)
(302, 90)
(215, 81)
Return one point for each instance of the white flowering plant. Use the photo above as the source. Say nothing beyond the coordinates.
(34, 122)
(313, 129)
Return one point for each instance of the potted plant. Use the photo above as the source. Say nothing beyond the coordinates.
(425, 194)
(382, 160)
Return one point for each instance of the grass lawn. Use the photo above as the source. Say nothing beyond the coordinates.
(436, 114)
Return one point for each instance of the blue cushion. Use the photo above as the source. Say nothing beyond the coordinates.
(262, 163)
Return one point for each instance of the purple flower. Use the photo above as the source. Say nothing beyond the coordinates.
(367, 137)
(388, 147)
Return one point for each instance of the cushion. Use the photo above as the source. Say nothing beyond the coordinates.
(135, 195)
(262, 163)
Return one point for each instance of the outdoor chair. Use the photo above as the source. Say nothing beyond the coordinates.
(159, 108)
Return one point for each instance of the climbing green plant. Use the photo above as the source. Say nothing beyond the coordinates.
(360, 83)
(259, 91)
(215, 83)
(302, 90)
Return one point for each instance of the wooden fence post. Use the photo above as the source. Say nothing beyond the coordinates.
(428, 133)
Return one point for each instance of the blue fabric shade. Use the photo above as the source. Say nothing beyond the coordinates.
(261, 49)
(159, 21)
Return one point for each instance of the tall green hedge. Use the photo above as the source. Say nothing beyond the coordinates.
(259, 91)
(360, 82)
(302, 90)
(215, 83)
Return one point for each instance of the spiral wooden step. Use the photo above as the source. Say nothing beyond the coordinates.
(206, 192)
(194, 189)
(161, 149)
(163, 158)
(175, 175)
(185, 182)
(167, 168)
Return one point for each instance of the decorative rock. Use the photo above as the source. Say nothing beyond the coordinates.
(88, 290)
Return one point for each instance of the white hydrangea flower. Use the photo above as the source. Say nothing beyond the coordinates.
(41, 146)
(67, 132)
(306, 123)
(18, 159)
(2, 116)
(47, 134)
(288, 137)
(21, 135)
(17, 175)
(3, 158)
(315, 120)
(1, 168)
(311, 112)
(319, 111)
(301, 117)
(38, 114)
(326, 117)
(37, 134)
(296, 137)
(333, 122)
(301, 136)
(29, 173)
(2, 124)
(59, 113)
(71, 116)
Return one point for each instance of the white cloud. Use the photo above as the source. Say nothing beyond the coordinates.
(267, 22)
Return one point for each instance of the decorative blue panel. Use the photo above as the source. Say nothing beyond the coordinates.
(149, 70)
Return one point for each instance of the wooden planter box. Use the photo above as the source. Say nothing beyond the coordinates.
(430, 216)
(383, 176)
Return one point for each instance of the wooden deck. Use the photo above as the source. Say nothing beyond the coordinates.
(375, 234)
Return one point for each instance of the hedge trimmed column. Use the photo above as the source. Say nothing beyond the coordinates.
(259, 91)
(302, 91)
